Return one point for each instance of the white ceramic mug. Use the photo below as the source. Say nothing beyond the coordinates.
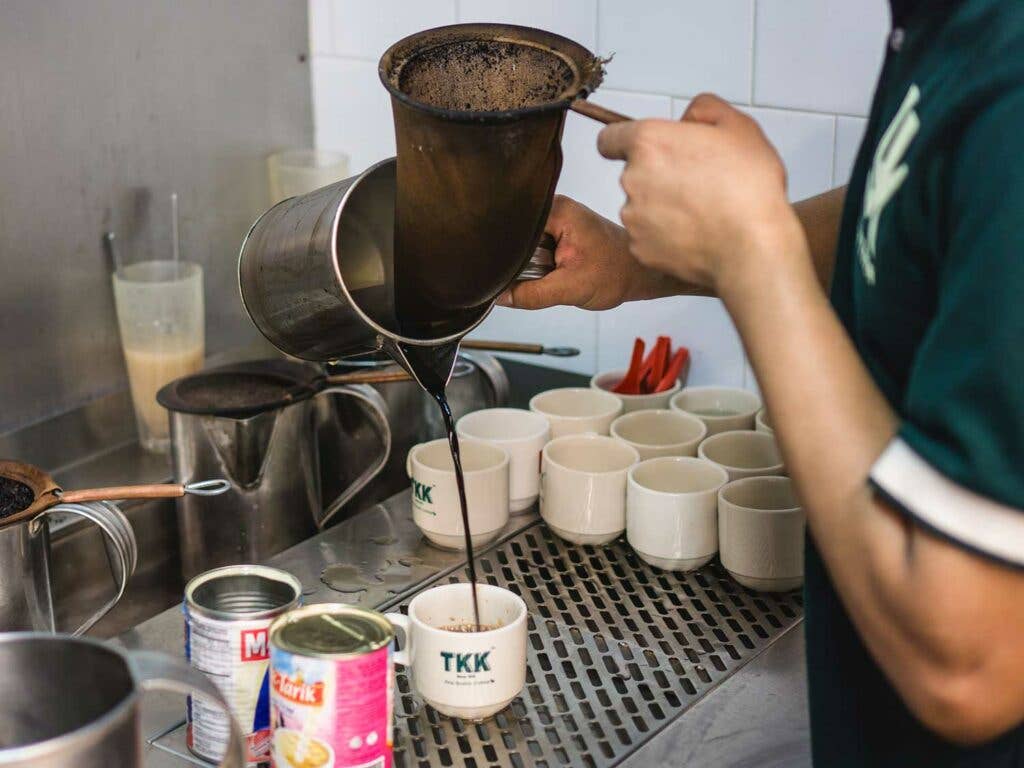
(605, 381)
(762, 423)
(672, 511)
(721, 408)
(761, 533)
(743, 453)
(577, 410)
(435, 495)
(660, 433)
(523, 434)
(470, 675)
(583, 487)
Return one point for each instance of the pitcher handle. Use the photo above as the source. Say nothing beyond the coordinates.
(119, 539)
(159, 672)
(379, 409)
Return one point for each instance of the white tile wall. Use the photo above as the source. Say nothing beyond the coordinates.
(804, 69)
(819, 54)
(849, 132)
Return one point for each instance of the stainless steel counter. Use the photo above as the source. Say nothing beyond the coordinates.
(627, 664)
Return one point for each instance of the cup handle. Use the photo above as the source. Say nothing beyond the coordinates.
(160, 672)
(408, 462)
(369, 396)
(401, 622)
(119, 541)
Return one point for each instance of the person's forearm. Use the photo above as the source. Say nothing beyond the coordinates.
(820, 216)
(832, 423)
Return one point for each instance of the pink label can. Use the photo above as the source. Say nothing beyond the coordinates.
(331, 688)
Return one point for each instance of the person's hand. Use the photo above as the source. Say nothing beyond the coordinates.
(594, 269)
(704, 195)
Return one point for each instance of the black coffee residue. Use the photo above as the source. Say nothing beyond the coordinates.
(232, 391)
(485, 76)
(14, 497)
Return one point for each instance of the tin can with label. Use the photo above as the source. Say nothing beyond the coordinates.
(228, 613)
(331, 694)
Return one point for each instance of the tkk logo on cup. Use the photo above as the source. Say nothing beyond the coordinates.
(466, 662)
(421, 495)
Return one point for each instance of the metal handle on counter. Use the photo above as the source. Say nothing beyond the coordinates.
(154, 491)
(119, 540)
(519, 348)
(160, 672)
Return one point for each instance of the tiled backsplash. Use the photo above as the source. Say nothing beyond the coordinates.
(805, 69)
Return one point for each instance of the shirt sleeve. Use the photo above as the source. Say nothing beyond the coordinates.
(957, 465)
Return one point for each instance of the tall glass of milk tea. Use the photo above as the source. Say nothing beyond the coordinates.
(160, 314)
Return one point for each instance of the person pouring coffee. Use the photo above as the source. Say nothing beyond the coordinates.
(884, 323)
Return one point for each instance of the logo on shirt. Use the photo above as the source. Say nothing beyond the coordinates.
(887, 174)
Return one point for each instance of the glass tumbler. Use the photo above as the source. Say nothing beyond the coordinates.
(160, 314)
(295, 172)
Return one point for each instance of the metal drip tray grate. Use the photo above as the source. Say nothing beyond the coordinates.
(616, 651)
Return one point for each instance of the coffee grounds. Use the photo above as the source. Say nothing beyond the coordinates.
(231, 391)
(485, 76)
(14, 497)
(468, 628)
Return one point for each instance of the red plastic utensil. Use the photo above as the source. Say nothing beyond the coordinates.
(646, 368)
(630, 384)
(662, 353)
(679, 359)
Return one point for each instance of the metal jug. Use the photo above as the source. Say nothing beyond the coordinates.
(256, 425)
(316, 276)
(478, 381)
(26, 594)
(68, 702)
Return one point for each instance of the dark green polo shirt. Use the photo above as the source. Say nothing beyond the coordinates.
(929, 283)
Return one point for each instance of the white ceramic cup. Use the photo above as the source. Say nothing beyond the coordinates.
(762, 423)
(583, 487)
(721, 408)
(577, 410)
(660, 433)
(523, 434)
(435, 496)
(672, 511)
(605, 381)
(761, 533)
(743, 453)
(470, 675)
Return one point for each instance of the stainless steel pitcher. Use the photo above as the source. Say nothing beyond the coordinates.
(69, 702)
(269, 455)
(316, 275)
(26, 594)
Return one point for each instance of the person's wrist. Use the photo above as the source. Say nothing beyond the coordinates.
(768, 249)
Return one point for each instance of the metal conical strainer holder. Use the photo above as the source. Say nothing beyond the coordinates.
(478, 111)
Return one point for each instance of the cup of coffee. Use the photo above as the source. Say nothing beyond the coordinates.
(762, 423)
(660, 433)
(435, 495)
(608, 379)
(672, 511)
(721, 408)
(761, 533)
(583, 487)
(577, 410)
(458, 670)
(523, 434)
(743, 453)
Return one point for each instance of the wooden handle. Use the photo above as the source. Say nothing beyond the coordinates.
(368, 377)
(597, 112)
(117, 492)
(503, 346)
